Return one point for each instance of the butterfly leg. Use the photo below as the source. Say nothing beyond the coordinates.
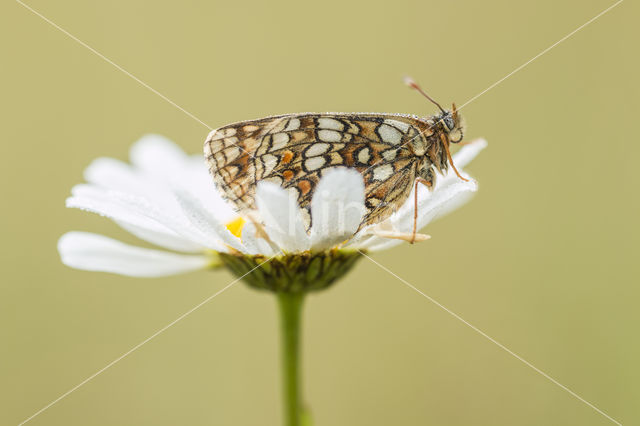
(260, 230)
(404, 236)
(412, 237)
(428, 184)
(445, 144)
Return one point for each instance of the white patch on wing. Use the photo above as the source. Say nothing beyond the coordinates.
(398, 124)
(382, 172)
(329, 123)
(306, 217)
(389, 134)
(293, 124)
(389, 154)
(270, 162)
(279, 141)
(329, 135)
(364, 155)
(317, 149)
(275, 179)
(314, 163)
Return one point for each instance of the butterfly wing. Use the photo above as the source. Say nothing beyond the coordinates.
(295, 150)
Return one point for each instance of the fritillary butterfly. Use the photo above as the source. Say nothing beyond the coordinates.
(391, 151)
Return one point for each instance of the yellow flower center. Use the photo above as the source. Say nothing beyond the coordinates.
(236, 225)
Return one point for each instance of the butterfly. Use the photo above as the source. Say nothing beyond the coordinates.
(392, 152)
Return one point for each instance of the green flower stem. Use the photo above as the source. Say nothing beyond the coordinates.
(290, 315)
(290, 277)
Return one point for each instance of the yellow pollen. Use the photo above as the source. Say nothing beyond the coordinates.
(235, 226)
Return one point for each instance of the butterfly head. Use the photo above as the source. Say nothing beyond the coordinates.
(450, 121)
(453, 124)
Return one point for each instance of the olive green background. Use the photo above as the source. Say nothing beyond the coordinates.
(544, 259)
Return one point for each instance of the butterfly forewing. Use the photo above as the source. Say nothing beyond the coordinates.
(294, 151)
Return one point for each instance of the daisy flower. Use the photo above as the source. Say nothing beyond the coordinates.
(167, 198)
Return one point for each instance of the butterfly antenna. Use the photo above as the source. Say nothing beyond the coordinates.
(411, 83)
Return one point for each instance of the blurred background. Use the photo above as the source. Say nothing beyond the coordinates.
(544, 259)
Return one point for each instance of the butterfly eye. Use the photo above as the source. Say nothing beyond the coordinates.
(448, 120)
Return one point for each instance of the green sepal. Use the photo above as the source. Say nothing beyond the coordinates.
(291, 273)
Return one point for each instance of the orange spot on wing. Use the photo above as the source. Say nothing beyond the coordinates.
(304, 186)
(286, 157)
(287, 174)
(242, 161)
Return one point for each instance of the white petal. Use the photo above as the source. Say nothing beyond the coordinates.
(449, 193)
(282, 217)
(157, 156)
(114, 174)
(447, 199)
(382, 244)
(461, 159)
(166, 239)
(337, 207)
(205, 222)
(161, 159)
(363, 240)
(106, 203)
(159, 167)
(456, 202)
(195, 179)
(253, 243)
(93, 252)
(444, 199)
(139, 212)
(111, 173)
(430, 203)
